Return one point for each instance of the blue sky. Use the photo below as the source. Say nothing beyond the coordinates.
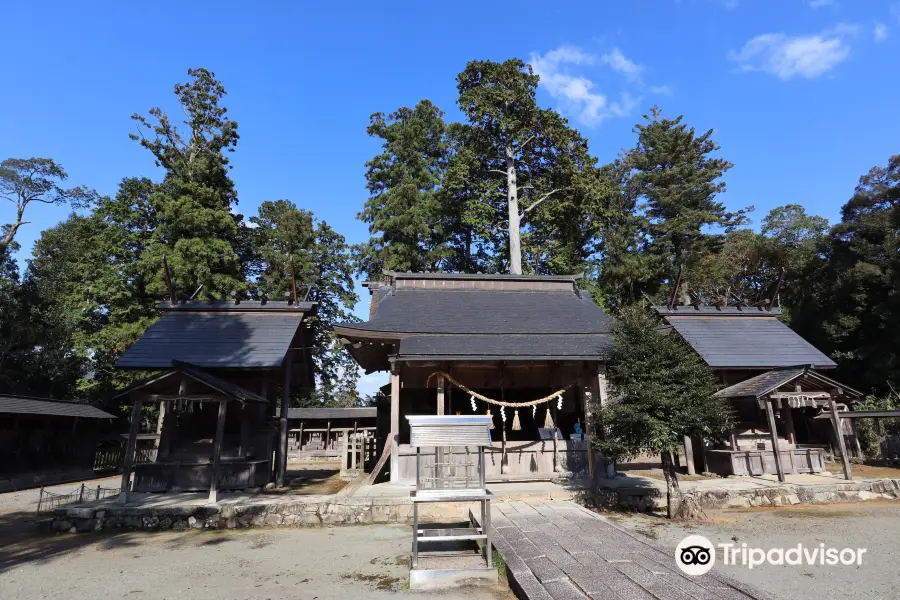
(801, 93)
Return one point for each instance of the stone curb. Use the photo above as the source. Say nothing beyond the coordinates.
(643, 499)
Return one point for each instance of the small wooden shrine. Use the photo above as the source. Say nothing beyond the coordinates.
(773, 382)
(529, 351)
(222, 367)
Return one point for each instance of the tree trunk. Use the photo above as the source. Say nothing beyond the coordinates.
(512, 200)
(679, 507)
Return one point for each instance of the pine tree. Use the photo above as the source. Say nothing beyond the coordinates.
(403, 211)
(662, 391)
(323, 267)
(675, 179)
(197, 231)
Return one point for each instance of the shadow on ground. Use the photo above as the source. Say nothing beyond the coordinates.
(25, 538)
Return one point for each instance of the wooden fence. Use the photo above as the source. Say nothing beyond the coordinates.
(110, 459)
(890, 446)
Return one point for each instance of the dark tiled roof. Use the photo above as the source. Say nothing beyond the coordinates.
(482, 276)
(496, 347)
(214, 340)
(762, 384)
(770, 381)
(485, 312)
(23, 405)
(333, 413)
(243, 306)
(738, 341)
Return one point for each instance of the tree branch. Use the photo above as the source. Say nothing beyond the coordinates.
(497, 171)
(539, 200)
(525, 143)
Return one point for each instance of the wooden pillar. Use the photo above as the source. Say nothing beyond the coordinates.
(128, 459)
(788, 421)
(300, 437)
(836, 421)
(245, 430)
(395, 426)
(283, 420)
(441, 405)
(167, 430)
(879, 433)
(770, 415)
(327, 434)
(217, 453)
(689, 455)
(440, 395)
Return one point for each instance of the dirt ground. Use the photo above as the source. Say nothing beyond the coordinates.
(865, 471)
(874, 525)
(324, 564)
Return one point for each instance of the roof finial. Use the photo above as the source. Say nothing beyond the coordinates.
(165, 265)
(674, 299)
(293, 280)
(777, 289)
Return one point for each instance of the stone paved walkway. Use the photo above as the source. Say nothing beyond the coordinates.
(558, 550)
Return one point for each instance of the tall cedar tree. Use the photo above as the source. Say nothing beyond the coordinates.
(662, 391)
(403, 210)
(197, 230)
(676, 180)
(323, 267)
(532, 154)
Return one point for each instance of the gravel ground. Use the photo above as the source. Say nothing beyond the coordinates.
(327, 564)
(872, 525)
(26, 500)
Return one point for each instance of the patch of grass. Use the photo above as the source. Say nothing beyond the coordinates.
(381, 582)
(499, 563)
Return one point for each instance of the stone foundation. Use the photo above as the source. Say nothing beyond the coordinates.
(241, 516)
(653, 499)
(321, 511)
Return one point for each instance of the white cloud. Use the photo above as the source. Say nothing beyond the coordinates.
(662, 90)
(619, 62)
(880, 32)
(788, 57)
(577, 95)
(821, 3)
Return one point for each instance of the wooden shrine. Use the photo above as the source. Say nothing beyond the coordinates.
(458, 344)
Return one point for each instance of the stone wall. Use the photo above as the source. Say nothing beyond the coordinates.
(321, 511)
(652, 499)
(269, 514)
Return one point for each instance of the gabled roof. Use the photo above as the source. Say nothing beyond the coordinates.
(422, 316)
(216, 384)
(484, 311)
(768, 382)
(748, 338)
(218, 335)
(26, 405)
